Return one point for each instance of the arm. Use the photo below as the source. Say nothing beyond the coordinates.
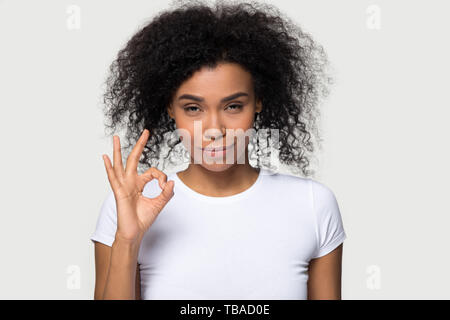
(138, 283)
(324, 281)
(135, 214)
(103, 255)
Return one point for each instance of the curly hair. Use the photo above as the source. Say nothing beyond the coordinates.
(286, 65)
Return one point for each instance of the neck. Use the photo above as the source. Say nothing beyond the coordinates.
(233, 180)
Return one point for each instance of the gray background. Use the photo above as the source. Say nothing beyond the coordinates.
(385, 153)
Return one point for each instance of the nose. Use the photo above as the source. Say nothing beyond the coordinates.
(214, 128)
(213, 134)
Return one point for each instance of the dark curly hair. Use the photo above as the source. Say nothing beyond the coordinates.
(287, 68)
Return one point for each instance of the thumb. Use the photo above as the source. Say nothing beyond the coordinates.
(167, 191)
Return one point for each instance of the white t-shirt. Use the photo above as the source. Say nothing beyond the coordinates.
(256, 244)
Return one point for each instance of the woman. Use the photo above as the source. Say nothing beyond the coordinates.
(221, 228)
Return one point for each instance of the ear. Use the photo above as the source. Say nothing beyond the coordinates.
(170, 111)
(258, 106)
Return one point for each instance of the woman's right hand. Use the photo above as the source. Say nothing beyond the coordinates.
(135, 212)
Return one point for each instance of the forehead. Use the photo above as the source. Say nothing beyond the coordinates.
(224, 79)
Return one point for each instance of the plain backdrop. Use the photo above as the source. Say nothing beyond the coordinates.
(385, 127)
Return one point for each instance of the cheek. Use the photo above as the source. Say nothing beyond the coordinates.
(243, 124)
(244, 121)
(185, 131)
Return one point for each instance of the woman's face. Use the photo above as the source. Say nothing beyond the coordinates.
(216, 108)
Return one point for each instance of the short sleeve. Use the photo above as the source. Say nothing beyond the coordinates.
(329, 228)
(106, 227)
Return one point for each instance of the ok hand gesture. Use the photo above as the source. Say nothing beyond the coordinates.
(135, 212)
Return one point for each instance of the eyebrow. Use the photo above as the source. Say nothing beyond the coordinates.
(200, 99)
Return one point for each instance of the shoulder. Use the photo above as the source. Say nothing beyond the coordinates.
(318, 192)
(325, 206)
(287, 186)
(284, 178)
(322, 195)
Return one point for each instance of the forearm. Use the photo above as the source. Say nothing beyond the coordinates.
(121, 279)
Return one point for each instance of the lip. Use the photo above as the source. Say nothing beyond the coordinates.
(217, 149)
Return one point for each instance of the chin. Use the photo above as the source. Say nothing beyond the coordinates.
(217, 167)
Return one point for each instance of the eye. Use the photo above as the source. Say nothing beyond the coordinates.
(238, 106)
(189, 108)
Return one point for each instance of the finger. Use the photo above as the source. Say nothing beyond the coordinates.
(167, 192)
(133, 158)
(161, 176)
(118, 166)
(150, 174)
(143, 179)
(111, 174)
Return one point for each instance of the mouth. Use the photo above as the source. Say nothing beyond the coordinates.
(218, 148)
(216, 151)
